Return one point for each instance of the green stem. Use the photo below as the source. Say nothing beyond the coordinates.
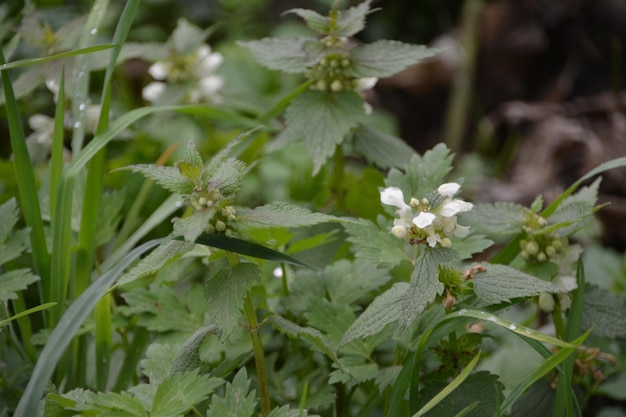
(339, 178)
(557, 318)
(259, 355)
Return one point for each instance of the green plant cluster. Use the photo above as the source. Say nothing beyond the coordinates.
(278, 251)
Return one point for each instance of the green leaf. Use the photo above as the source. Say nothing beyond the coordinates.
(191, 166)
(13, 281)
(159, 310)
(27, 312)
(500, 218)
(279, 214)
(385, 309)
(481, 388)
(385, 58)
(164, 254)
(309, 334)
(604, 312)
(226, 177)
(375, 245)
(576, 210)
(382, 149)
(186, 37)
(237, 400)
(281, 54)
(179, 393)
(13, 246)
(320, 122)
(447, 390)
(188, 356)
(501, 283)
(110, 404)
(194, 225)
(157, 364)
(424, 173)
(226, 292)
(425, 284)
(243, 247)
(313, 20)
(538, 400)
(169, 178)
(352, 20)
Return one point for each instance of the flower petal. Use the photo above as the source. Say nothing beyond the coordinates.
(448, 189)
(424, 219)
(392, 196)
(461, 231)
(452, 207)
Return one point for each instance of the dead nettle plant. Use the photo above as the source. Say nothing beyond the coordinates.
(285, 308)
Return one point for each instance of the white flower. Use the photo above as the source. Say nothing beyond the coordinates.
(160, 70)
(393, 196)
(367, 83)
(153, 91)
(452, 206)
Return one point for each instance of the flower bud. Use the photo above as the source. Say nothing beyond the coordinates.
(446, 243)
(220, 226)
(541, 257)
(210, 228)
(550, 251)
(565, 301)
(202, 201)
(321, 85)
(532, 247)
(546, 302)
(399, 231)
(336, 86)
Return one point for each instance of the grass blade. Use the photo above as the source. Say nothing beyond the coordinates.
(26, 313)
(67, 327)
(27, 187)
(35, 61)
(244, 247)
(449, 388)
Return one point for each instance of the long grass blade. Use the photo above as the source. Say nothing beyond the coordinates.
(25, 313)
(67, 327)
(35, 61)
(27, 187)
(449, 388)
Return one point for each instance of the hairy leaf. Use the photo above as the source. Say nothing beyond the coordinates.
(500, 218)
(425, 285)
(375, 245)
(386, 308)
(226, 292)
(13, 246)
(157, 364)
(164, 254)
(382, 149)
(237, 400)
(320, 122)
(13, 281)
(313, 20)
(169, 178)
(423, 173)
(281, 54)
(501, 283)
(110, 404)
(309, 334)
(604, 312)
(278, 214)
(385, 58)
(188, 357)
(481, 387)
(576, 210)
(352, 20)
(179, 393)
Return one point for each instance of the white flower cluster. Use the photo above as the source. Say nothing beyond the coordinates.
(199, 68)
(421, 221)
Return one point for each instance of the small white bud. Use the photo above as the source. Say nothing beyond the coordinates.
(399, 231)
(546, 302)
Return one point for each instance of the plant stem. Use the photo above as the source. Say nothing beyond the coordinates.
(259, 355)
(557, 318)
(338, 178)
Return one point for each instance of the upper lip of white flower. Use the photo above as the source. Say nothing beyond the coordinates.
(452, 206)
(393, 196)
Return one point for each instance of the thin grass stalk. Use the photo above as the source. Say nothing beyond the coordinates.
(26, 332)
(56, 155)
(259, 356)
(104, 338)
(27, 188)
(133, 352)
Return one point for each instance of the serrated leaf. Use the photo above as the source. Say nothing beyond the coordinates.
(158, 362)
(237, 400)
(501, 283)
(159, 310)
(309, 334)
(385, 58)
(320, 122)
(281, 54)
(466, 247)
(576, 210)
(186, 37)
(188, 356)
(226, 292)
(374, 245)
(279, 214)
(13, 281)
(164, 254)
(285, 411)
(425, 284)
(500, 218)
(352, 20)
(13, 246)
(604, 312)
(385, 309)
(179, 393)
(169, 178)
(194, 225)
(382, 149)
(110, 404)
(313, 20)
(227, 177)
(481, 387)
(423, 173)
